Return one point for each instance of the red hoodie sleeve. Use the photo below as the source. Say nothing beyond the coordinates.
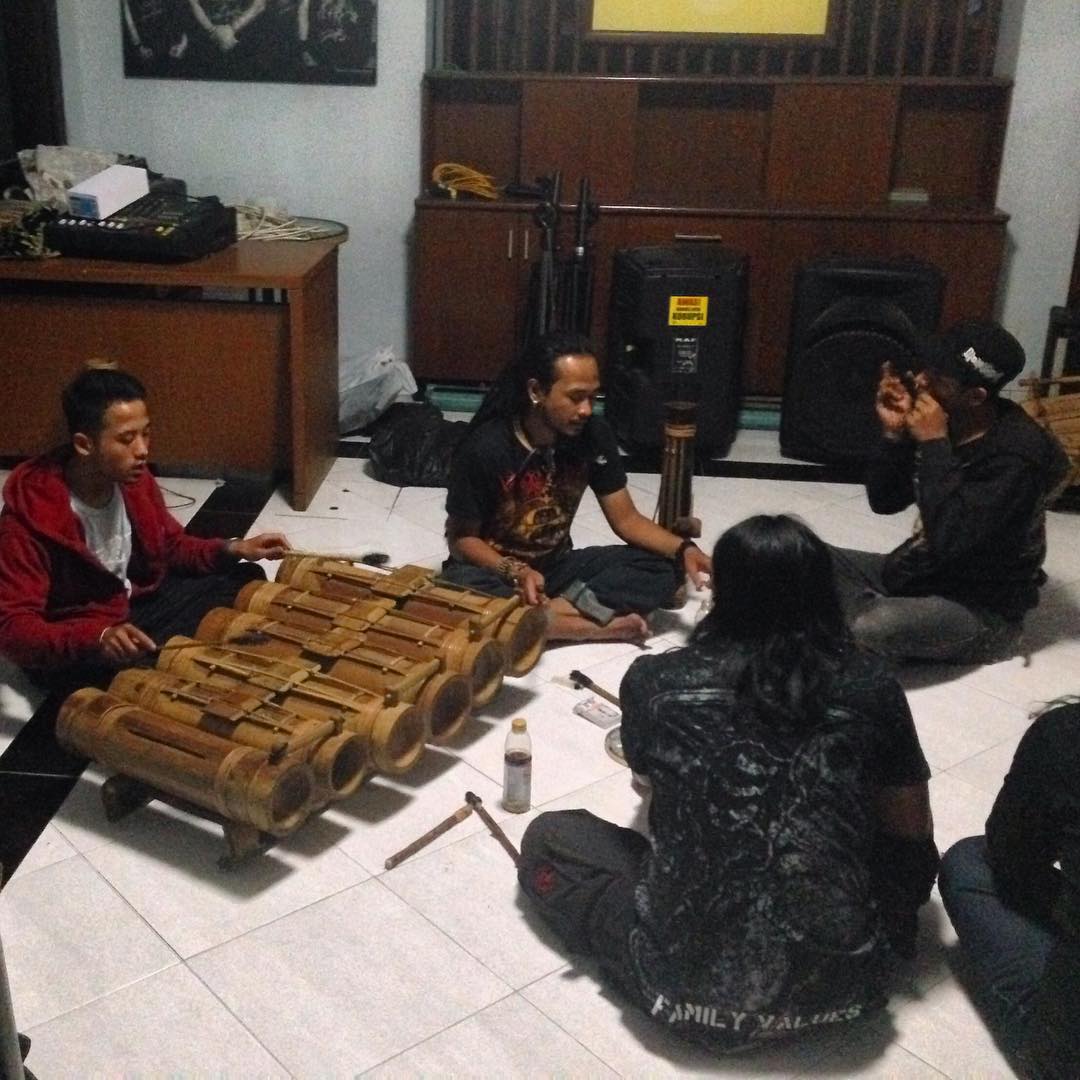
(165, 544)
(27, 638)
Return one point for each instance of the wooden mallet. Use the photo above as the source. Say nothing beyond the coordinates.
(477, 804)
(455, 818)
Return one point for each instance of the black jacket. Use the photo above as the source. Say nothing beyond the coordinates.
(1034, 825)
(981, 538)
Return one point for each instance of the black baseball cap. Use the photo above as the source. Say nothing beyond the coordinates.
(976, 353)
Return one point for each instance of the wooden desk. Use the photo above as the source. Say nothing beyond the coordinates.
(243, 384)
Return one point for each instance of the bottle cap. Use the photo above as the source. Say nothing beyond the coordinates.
(518, 723)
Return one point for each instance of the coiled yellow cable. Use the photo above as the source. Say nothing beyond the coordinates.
(454, 178)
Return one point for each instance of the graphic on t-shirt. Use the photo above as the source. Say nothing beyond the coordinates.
(536, 509)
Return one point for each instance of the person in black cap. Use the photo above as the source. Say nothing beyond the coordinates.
(982, 474)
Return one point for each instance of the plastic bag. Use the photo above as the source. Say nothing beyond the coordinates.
(411, 445)
(368, 386)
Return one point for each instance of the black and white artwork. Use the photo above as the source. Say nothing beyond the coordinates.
(303, 41)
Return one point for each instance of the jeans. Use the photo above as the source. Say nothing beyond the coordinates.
(621, 579)
(1012, 964)
(915, 627)
(177, 606)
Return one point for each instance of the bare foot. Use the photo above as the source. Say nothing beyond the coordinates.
(628, 628)
(566, 623)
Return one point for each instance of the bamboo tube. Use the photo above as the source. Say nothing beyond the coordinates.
(343, 580)
(444, 698)
(675, 500)
(483, 660)
(338, 759)
(521, 630)
(238, 782)
(395, 734)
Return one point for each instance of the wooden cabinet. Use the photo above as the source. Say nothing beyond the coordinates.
(470, 284)
(246, 386)
(783, 169)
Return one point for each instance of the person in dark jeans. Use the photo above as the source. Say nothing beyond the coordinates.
(790, 839)
(94, 571)
(515, 484)
(981, 472)
(1013, 896)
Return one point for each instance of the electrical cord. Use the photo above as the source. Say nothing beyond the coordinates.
(453, 178)
(189, 500)
(258, 223)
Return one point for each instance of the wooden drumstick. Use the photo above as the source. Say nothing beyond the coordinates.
(249, 637)
(367, 558)
(581, 679)
(455, 818)
(477, 804)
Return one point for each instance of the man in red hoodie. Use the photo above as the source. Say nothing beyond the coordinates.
(94, 571)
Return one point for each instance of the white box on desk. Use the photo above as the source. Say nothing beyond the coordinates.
(104, 193)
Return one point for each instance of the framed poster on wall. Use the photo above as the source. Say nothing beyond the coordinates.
(312, 41)
(770, 21)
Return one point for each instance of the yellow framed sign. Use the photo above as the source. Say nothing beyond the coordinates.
(771, 21)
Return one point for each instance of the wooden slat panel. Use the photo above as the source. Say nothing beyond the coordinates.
(475, 40)
(848, 30)
(988, 37)
(902, 33)
(552, 33)
(930, 37)
(872, 40)
(474, 34)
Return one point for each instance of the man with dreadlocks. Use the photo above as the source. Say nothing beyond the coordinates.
(515, 484)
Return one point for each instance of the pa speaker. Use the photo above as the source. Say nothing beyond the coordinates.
(850, 316)
(675, 334)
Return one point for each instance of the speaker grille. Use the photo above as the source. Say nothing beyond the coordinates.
(850, 317)
(651, 361)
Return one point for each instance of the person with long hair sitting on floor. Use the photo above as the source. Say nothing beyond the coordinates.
(790, 837)
(515, 484)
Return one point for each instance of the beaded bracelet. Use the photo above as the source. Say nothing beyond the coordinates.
(508, 568)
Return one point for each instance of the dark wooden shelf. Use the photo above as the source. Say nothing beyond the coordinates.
(783, 167)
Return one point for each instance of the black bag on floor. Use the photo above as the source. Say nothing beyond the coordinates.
(411, 445)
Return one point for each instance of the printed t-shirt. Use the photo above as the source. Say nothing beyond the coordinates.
(525, 499)
(755, 915)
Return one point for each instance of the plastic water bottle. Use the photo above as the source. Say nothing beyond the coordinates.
(517, 768)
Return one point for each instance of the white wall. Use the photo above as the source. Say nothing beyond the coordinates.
(350, 153)
(1040, 175)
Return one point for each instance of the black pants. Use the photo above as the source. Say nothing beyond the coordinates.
(177, 606)
(621, 578)
(580, 872)
(901, 628)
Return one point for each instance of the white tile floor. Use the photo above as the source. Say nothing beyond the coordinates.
(131, 954)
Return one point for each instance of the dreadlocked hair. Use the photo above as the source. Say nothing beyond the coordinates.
(509, 394)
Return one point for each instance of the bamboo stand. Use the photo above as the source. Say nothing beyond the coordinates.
(675, 503)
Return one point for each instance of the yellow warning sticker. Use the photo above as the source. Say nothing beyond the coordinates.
(688, 310)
